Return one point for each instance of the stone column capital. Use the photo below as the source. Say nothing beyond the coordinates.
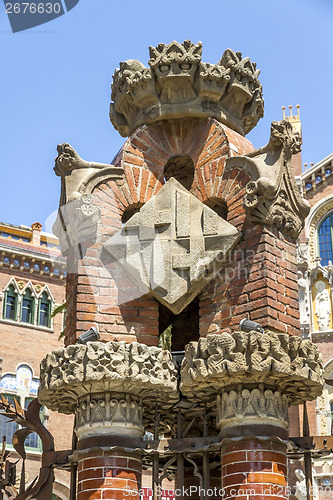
(220, 363)
(70, 374)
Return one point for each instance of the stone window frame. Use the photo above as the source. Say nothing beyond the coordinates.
(316, 216)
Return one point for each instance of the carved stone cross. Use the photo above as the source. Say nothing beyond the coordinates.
(174, 245)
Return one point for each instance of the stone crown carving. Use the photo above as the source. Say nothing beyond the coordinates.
(272, 197)
(220, 362)
(179, 84)
(68, 374)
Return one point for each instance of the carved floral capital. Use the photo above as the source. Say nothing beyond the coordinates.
(73, 372)
(282, 362)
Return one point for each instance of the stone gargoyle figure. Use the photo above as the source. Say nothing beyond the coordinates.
(272, 197)
(76, 174)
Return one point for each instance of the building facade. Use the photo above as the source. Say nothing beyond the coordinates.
(315, 282)
(32, 276)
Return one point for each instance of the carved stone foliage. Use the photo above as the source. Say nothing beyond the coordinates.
(174, 245)
(272, 197)
(178, 84)
(73, 372)
(286, 363)
(105, 413)
(259, 405)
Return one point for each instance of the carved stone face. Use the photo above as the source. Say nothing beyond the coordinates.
(175, 79)
(174, 245)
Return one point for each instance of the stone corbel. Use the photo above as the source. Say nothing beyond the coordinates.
(77, 216)
(272, 197)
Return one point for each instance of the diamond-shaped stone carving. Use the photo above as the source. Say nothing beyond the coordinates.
(174, 245)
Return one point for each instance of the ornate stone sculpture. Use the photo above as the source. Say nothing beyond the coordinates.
(221, 362)
(74, 372)
(304, 302)
(174, 245)
(323, 306)
(272, 197)
(257, 405)
(78, 217)
(178, 84)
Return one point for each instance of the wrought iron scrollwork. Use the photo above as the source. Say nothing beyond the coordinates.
(29, 420)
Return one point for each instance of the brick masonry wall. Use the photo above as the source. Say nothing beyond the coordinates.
(265, 290)
(259, 282)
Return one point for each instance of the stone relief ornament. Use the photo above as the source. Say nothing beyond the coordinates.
(103, 413)
(322, 306)
(218, 362)
(73, 372)
(304, 301)
(179, 84)
(301, 491)
(174, 245)
(78, 216)
(254, 405)
(272, 197)
(302, 254)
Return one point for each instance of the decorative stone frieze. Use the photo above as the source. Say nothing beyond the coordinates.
(73, 372)
(105, 413)
(255, 406)
(282, 362)
(178, 84)
(272, 197)
(174, 246)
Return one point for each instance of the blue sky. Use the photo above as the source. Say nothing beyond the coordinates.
(56, 79)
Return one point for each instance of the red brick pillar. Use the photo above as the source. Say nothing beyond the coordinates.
(254, 468)
(109, 475)
(109, 428)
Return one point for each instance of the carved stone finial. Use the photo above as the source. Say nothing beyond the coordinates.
(272, 197)
(178, 84)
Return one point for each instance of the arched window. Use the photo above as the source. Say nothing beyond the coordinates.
(325, 240)
(27, 307)
(10, 304)
(22, 386)
(44, 310)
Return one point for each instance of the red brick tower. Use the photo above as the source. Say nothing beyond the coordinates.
(190, 231)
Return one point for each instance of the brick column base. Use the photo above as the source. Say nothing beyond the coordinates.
(109, 475)
(253, 469)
